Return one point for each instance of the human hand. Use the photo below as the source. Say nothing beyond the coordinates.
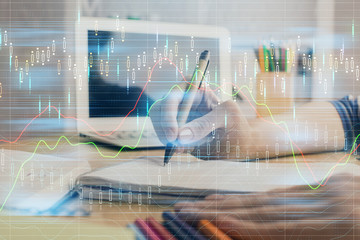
(214, 129)
(330, 212)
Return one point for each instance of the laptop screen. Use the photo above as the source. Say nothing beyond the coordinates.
(120, 66)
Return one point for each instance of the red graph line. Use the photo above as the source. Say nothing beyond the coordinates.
(93, 129)
(121, 123)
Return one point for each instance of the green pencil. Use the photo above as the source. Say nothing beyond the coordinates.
(271, 60)
(266, 58)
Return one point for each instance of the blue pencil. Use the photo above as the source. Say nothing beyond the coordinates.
(187, 232)
(176, 231)
(137, 232)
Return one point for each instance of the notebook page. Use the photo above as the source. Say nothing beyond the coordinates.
(186, 174)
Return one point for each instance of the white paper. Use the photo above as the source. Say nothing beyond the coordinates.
(36, 182)
(185, 174)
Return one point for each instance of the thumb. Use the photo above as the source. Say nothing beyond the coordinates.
(199, 128)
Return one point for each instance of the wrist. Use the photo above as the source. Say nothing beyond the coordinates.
(262, 141)
(254, 145)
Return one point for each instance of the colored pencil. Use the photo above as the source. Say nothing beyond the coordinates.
(211, 231)
(283, 58)
(266, 58)
(280, 59)
(190, 231)
(146, 230)
(261, 59)
(286, 60)
(160, 230)
(138, 234)
(289, 60)
(176, 231)
(274, 59)
(271, 61)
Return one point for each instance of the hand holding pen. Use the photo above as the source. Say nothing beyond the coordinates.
(207, 122)
(187, 102)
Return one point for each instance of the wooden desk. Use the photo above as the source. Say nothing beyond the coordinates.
(110, 214)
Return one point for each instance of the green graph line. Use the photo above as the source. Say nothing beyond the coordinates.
(83, 143)
(142, 130)
(292, 146)
(89, 143)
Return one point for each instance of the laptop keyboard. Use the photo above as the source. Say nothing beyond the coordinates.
(130, 135)
(131, 138)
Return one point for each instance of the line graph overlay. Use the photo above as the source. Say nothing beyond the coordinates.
(218, 87)
(122, 122)
(321, 183)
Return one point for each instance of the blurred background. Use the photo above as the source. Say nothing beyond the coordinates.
(325, 30)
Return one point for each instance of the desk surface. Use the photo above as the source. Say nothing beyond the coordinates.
(111, 214)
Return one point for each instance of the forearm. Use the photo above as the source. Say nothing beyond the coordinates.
(316, 127)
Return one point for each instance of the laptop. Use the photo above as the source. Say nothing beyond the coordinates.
(125, 66)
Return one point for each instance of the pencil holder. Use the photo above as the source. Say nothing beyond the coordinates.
(274, 92)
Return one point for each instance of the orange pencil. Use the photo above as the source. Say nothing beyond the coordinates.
(211, 231)
(261, 59)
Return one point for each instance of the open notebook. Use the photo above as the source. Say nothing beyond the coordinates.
(146, 180)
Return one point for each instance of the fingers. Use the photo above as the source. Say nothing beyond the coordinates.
(326, 218)
(199, 128)
(226, 202)
(250, 226)
(216, 197)
(164, 115)
(261, 213)
(155, 115)
(297, 195)
(319, 229)
(297, 213)
(246, 230)
(209, 100)
(301, 229)
(169, 110)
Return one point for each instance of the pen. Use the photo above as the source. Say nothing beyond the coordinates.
(188, 99)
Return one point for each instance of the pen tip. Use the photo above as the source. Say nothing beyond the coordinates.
(204, 55)
(169, 152)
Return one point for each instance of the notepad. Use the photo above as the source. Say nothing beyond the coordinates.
(34, 183)
(146, 180)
